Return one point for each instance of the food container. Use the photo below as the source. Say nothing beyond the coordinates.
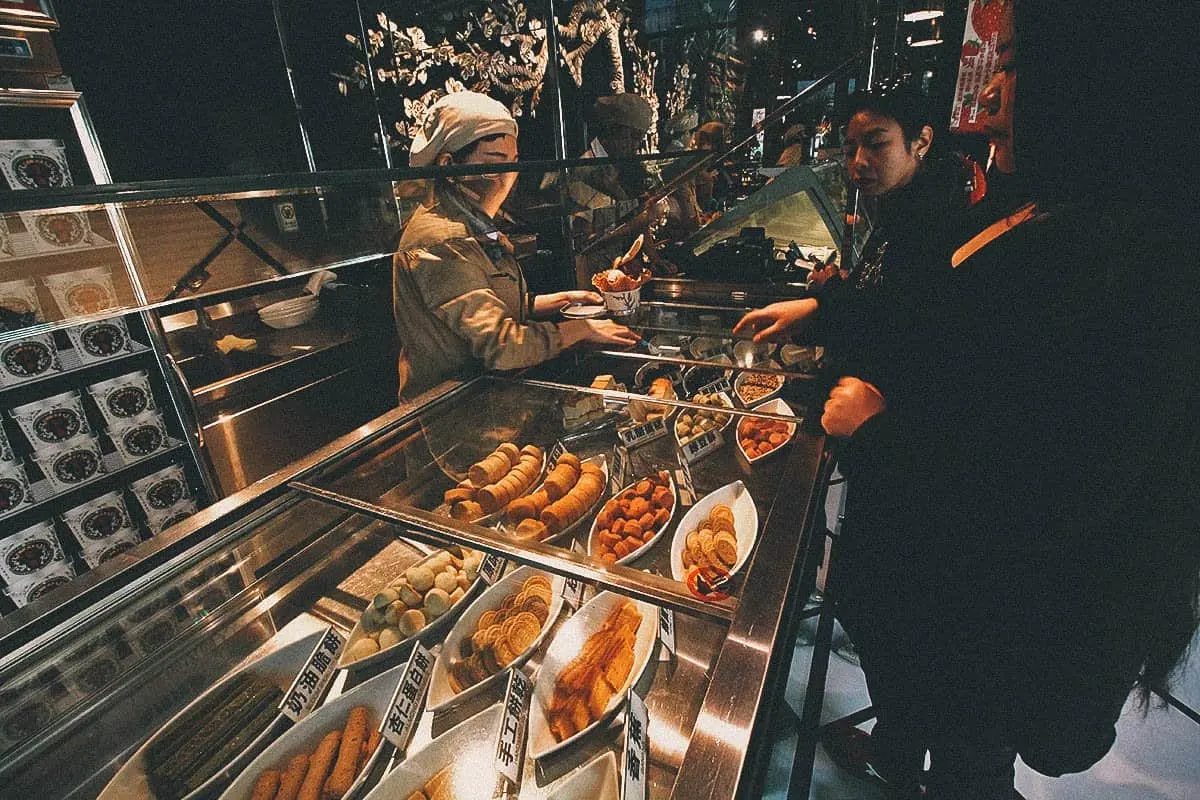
(775, 406)
(569, 641)
(373, 623)
(99, 519)
(83, 291)
(468, 751)
(597, 780)
(442, 694)
(278, 669)
(745, 523)
(750, 354)
(303, 739)
(52, 421)
(26, 555)
(623, 304)
(20, 302)
(25, 592)
(690, 418)
(139, 437)
(161, 490)
(123, 397)
(289, 313)
(753, 388)
(100, 340)
(801, 357)
(15, 493)
(659, 528)
(159, 522)
(707, 348)
(28, 358)
(69, 464)
(600, 461)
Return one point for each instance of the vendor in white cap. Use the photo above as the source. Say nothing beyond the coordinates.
(460, 298)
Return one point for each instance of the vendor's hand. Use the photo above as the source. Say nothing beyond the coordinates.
(851, 403)
(598, 332)
(547, 304)
(778, 320)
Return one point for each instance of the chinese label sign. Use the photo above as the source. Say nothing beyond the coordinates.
(637, 749)
(492, 568)
(702, 445)
(401, 719)
(310, 684)
(644, 433)
(510, 744)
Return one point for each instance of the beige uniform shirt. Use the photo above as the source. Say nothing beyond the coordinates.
(460, 301)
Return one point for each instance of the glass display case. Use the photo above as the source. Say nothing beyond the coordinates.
(625, 529)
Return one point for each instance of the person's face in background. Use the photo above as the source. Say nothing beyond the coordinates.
(878, 157)
(488, 191)
(998, 96)
(621, 141)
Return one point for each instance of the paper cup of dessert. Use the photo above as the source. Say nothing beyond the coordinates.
(419, 604)
(595, 656)
(716, 535)
(329, 753)
(218, 733)
(501, 629)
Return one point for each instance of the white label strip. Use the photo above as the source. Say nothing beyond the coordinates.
(637, 749)
(404, 710)
(702, 445)
(310, 684)
(644, 433)
(492, 568)
(666, 629)
(510, 742)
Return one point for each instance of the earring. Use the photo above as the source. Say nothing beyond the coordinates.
(920, 156)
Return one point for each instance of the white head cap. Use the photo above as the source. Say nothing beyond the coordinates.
(456, 121)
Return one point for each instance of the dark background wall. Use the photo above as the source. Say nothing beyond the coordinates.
(181, 90)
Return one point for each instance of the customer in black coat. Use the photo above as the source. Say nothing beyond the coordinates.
(1037, 493)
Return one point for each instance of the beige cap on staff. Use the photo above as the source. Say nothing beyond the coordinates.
(456, 121)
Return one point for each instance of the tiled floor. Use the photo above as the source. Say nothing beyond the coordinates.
(1156, 757)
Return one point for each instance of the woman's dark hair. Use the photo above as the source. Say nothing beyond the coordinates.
(906, 105)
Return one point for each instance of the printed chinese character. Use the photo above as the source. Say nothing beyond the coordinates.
(505, 752)
(332, 642)
(321, 660)
(420, 660)
(410, 690)
(635, 730)
(395, 721)
(634, 765)
(309, 679)
(295, 703)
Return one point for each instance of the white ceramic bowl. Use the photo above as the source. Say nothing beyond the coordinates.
(593, 541)
(745, 524)
(441, 694)
(776, 406)
(568, 641)
(741, 379)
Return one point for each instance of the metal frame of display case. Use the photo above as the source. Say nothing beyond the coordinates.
(733, 707)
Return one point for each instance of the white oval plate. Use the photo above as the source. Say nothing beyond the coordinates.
(675, 422)
(581, 311)
(430, 633)
(307, 734)
(441, 694)
(598, 780)
(745, 523)
(469, 748)
(567, 642)
(636, 554)
(602, 461)
(775, 406)
(741, 378)
(280, 667)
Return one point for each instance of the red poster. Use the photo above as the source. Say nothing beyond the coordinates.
(976, 62)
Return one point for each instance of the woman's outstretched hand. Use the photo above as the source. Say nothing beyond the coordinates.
(778, 320)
